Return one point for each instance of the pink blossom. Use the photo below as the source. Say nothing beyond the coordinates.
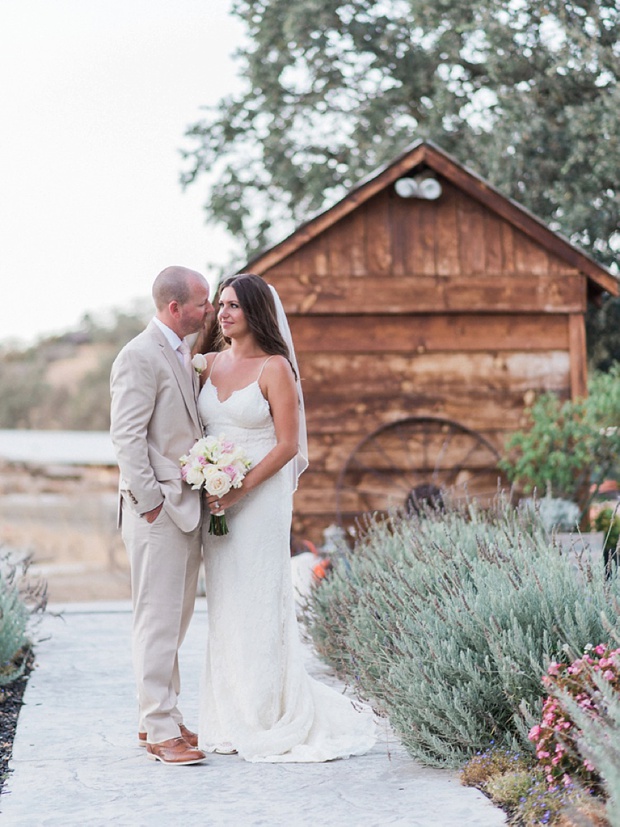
(534, 732)
(553, 669)
(609, 675)
(231, 471)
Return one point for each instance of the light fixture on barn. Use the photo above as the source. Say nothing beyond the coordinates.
(421, 186)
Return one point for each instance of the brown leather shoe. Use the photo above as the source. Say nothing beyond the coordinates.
(174, 751)
(190, 737)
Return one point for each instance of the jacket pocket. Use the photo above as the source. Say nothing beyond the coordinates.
(167, 472)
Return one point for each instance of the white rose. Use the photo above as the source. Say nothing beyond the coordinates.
(241, 468)
(199, 362)
(204, 447)
(217, 483)
(194, 476)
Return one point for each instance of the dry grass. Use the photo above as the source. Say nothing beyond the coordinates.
(68, 371)
(69, 527)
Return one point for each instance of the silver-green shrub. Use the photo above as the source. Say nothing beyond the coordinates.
(447, 621)
(20, 600)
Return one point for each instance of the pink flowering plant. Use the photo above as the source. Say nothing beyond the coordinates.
(556, 737)
(217, 465)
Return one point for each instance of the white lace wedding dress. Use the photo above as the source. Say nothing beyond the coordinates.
(256, 693)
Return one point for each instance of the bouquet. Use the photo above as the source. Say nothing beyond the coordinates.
(218, 465)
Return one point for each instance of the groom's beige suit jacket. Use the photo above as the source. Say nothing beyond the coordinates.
(154, 421)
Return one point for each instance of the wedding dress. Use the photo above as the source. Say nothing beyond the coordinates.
(256, 693)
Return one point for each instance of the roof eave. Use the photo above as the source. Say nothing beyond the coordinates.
(425, 151)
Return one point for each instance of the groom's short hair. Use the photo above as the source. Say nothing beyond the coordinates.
(173, 284)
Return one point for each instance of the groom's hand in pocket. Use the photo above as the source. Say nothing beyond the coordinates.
(151, 516)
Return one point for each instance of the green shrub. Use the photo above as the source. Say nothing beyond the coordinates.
(20, 599)
(516, 783)
(568, 444)
(608, 520)
(447, 623)
(492, 763)
(510, 788)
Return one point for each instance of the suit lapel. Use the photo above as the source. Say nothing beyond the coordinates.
(195, 383)
(186, 383)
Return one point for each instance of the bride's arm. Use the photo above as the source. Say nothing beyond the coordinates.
(281, 393)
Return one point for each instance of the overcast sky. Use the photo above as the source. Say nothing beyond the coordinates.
(95, 96)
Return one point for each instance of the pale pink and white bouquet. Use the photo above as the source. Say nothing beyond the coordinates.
(217, 465)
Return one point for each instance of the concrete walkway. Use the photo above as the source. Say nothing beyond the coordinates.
(75, 760)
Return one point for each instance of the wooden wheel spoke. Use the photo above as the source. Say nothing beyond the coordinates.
(390, 463)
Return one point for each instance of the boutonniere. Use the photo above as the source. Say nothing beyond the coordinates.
(199, 363)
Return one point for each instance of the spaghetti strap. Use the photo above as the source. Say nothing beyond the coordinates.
(262, 366)
(212, 366)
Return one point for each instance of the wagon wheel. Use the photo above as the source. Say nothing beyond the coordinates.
(393, 461)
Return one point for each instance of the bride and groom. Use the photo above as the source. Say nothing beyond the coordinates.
(256, 698)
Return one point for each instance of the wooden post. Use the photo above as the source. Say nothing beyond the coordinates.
(577, 354)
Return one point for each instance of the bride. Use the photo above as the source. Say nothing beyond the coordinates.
(257, 698)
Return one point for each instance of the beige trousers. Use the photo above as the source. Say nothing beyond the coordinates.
(164, 565)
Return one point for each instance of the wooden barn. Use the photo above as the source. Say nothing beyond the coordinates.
(427, 310)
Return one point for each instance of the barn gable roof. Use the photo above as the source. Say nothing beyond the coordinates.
(423, 152)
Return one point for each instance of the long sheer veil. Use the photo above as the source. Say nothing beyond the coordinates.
(299, 463)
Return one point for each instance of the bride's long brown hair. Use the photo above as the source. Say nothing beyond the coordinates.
(256, 301)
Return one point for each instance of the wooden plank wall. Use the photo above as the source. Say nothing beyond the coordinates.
(409, 307)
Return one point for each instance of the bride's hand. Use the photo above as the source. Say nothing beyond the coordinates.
(217, 504)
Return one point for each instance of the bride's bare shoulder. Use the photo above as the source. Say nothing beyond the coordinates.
(278, 368)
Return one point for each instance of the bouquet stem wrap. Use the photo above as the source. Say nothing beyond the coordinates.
(218, 524)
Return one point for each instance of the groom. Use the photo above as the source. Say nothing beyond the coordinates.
(154, 420)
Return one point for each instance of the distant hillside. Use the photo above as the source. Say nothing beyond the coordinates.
(62, 382)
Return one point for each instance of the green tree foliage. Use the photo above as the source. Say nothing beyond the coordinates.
(569, 445)
(526, 93)
(21, 389)
(603, 335)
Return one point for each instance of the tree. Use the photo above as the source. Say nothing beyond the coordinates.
(569, 446)
(603, 335)
(27, 400)
(526, 93)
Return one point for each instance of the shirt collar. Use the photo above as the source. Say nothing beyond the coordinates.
(170, 335)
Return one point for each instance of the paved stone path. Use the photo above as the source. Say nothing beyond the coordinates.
(75, 761)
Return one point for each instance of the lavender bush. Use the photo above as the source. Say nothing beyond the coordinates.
(447, 622)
